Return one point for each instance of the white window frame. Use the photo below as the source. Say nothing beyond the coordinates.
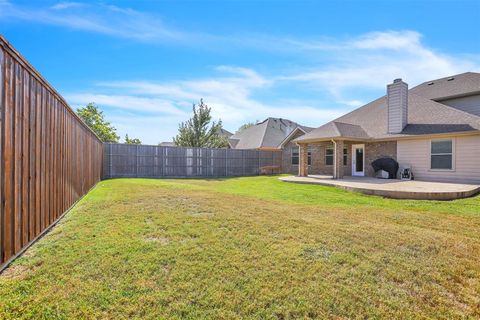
(430, 154)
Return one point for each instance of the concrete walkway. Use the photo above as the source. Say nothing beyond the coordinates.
(397, 189)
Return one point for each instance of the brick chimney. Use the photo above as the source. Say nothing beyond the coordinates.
(397, 106)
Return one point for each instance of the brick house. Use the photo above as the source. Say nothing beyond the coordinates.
(434, 128)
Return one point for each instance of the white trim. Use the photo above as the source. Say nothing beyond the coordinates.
(430, 155)
(354, 161)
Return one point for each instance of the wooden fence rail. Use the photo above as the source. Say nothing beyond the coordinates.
(123, 160)
(49, 157)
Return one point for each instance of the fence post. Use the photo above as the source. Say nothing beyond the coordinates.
(164, 161)
(226, 163)
(155, 162)
(258, 162)
(243, 162)
(136, 161)
(110, 160)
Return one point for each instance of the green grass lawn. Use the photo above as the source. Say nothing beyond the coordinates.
(249, 248)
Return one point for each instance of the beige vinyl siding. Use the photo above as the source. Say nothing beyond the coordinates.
(466, 163)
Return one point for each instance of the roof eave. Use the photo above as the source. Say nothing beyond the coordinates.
(338, 138)
(429, 135)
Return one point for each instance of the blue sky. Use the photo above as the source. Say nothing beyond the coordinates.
(145, 62)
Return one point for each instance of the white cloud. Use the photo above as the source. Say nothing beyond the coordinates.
(366, 62)
(353, 103)
(153, 110)
(99, 18)
(374, 59)
(130, 103)
(66, 5)
(338, 71)
(396, 40)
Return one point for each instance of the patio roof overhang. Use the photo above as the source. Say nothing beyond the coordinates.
(389, 138)
(315, 140)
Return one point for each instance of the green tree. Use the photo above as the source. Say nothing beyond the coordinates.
(132, 141)
(94, 118)
(196, 132)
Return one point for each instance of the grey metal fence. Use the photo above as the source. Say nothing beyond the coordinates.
(143, 161)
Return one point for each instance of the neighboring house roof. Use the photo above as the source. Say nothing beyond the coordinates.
(167, 144)
(425, 116)
(225, 133)
(301, 129)
(269, 133)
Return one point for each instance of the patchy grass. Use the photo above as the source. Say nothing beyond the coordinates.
(249, 248)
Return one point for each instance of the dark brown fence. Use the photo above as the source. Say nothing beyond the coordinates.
(49, 158)
(123, 161)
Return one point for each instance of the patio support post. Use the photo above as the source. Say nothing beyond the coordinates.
(338, 170)
(303, 161)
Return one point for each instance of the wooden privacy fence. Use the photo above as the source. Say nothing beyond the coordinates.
(49, 157)
(123, 160)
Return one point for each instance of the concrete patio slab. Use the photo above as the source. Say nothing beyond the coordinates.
(396, 189)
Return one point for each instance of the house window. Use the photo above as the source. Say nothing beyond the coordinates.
(345, 159)
(441, 154)
(329, 156)
(296, 155)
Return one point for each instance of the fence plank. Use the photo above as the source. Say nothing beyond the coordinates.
(8, 160)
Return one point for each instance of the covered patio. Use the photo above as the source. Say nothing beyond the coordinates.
(342, 149)
(341, 157)
(392, 188)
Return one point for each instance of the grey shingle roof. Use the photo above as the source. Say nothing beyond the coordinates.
(425, 116)
(167, 144)
(225, 133)
(267, 134)
(449, 87)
